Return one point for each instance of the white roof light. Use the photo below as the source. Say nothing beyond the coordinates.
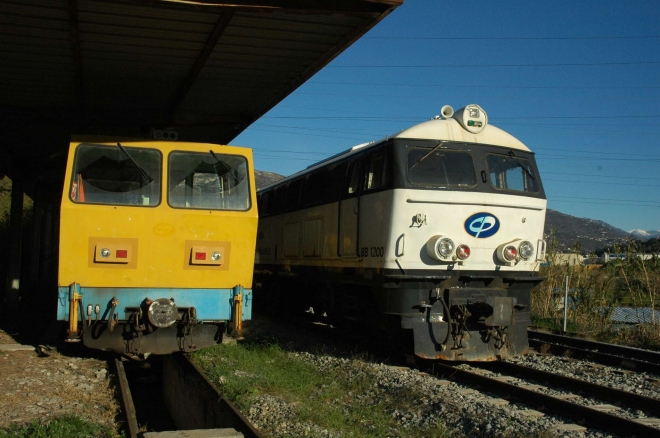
(473, 118)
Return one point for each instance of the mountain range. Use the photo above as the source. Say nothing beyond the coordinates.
(645, 234)
(592, 234)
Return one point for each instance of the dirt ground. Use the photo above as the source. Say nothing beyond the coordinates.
(41, 384)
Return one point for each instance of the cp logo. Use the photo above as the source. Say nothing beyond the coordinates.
(482, 225)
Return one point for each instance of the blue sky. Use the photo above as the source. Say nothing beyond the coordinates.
(577, 81)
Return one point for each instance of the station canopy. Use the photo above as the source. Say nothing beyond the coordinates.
(204, 70)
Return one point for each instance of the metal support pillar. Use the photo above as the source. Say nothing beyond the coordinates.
(566, 305)
(12, 288)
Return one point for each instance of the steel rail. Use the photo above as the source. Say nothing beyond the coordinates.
(582, 414)
(613, 349)
(626, 357)
(127, 399)
(616, 396)
(205, 390)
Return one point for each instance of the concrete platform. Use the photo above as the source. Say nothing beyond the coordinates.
(198, 433)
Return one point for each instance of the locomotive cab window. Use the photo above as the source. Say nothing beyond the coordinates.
(116, 175)
(208, 181)
(509, 172)
(441, 167)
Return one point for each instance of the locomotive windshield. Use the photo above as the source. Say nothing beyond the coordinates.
(466, 167)
(208, 181)
(508, 172)
(441, 167)
(116, 175)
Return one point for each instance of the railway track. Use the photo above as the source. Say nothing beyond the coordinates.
(193, 403)
(128, 407)
(591, 405)
(635, 359)
(555, 394)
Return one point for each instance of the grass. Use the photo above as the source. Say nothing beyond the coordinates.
(345, 399)
(645, 336)
(595, 292)
(63, 427)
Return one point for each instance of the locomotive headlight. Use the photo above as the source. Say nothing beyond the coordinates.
(105, 253)
(440, 248)
(445, 247)
(162, 312)
(462, 252)
(526, 250)
(216, 256)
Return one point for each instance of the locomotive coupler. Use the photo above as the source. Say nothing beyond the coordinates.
(189, 321)
(137, 327)
(459, 327)
(502, 311)
(112, 320)
(500, 336)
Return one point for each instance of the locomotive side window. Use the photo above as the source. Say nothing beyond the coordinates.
(263, 203)
(116, 175)
(511, 173)
(441, 167)
(279, 195)
(377, 175)
(208, 181)
(354, 178)
(335, 182)
(293, 194)
(313, 190)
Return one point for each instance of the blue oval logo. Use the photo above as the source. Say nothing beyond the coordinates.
(482, 225)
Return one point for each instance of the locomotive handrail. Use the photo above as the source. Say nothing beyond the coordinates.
(476, 277)
(524, 279)
(432, 201)
(416, 277)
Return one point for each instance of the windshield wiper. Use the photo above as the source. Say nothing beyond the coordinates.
(224, 164)
(144, 174)
(519, 163)
(440, 144)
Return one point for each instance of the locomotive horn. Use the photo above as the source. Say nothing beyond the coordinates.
(447, 111)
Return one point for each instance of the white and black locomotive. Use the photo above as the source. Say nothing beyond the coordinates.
(436, 231)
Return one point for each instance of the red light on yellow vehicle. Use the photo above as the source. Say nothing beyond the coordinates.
(206, 255)
(111, 252)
